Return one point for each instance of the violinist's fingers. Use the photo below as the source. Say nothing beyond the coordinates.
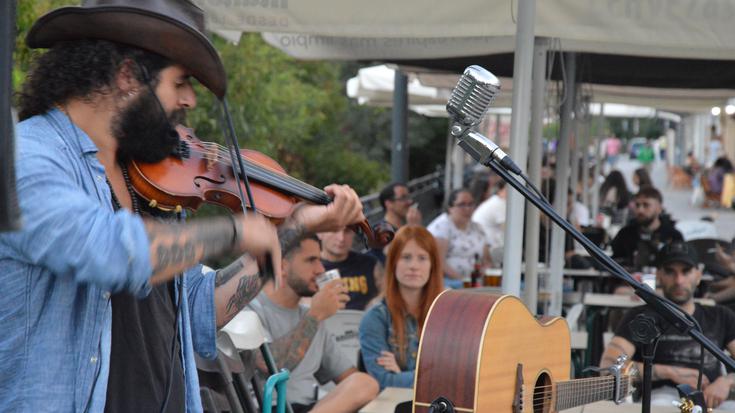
(346, 204)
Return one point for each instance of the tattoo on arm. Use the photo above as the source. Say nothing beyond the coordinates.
(289, 350)
(247, 288)
(225, 274)
(176, 246)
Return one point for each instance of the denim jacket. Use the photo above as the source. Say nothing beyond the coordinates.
(376, 335)
(58, 271)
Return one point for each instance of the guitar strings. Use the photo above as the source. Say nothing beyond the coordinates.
(583, 387)
(577, 394)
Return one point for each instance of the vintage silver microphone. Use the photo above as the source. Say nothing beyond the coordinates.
(468, 104)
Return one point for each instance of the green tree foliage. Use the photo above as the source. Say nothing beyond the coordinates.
(294, 111)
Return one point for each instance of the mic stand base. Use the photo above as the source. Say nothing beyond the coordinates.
(646, 332)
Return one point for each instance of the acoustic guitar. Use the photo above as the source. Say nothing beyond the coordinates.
(487, 353)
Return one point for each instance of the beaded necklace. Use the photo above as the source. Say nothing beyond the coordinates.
(133, 197)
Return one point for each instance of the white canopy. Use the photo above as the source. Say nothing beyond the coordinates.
(411, 29)
(429, 92)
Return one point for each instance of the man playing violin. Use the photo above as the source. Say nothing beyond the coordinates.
(104, 302)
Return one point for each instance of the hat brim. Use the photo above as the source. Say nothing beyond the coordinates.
(170, 38)
(680, 259)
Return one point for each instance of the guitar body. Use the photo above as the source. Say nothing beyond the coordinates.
(472, 345)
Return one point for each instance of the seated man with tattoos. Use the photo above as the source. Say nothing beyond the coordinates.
(301, 342)
(677, 357)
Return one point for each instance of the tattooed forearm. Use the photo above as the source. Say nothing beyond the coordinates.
(247, 288)
(289, 350)
(175, 246)
(225, 274)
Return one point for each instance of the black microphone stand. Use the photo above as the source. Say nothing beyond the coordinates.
(646, 332)
(661, 305)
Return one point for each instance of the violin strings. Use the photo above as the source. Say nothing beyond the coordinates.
(292, 184)
(223, 157)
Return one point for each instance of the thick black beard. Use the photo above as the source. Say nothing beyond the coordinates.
(645, 222)
(300, 287)
(144, 133)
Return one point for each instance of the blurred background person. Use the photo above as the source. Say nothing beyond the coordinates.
(641, 178)
(615, 197)
(636, 244)
(461, 242)
(399, 210)
(490, 215)
(360, 273)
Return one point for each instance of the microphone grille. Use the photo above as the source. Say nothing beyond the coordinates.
(473, 95)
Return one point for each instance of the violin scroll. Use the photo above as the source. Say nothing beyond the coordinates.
(376, 237)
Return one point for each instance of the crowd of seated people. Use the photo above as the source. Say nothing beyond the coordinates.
(395, 297)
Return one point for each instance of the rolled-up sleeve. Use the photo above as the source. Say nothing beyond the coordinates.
(200, 283)
(70, 232)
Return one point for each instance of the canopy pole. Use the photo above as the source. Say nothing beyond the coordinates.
(522, 67)
(598, 161)
(538, 92)
(562, 184)
(399, 140)
(585, 140)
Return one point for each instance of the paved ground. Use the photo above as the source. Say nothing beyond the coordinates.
(678, 202)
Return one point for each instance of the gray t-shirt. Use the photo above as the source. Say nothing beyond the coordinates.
(323, 361)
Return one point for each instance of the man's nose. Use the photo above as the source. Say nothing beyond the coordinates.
(188, 99)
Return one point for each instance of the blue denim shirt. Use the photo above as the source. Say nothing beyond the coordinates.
(58, 271)
(376, 335)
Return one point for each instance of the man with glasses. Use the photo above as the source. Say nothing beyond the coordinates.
(636, 244)
(399, 210)
(397, 204)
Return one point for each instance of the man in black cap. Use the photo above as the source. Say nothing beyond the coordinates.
(677, 356)
(93, 315)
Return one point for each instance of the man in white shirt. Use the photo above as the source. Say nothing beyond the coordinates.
(490, 215)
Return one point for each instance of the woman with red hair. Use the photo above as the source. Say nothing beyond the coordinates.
(390, 331)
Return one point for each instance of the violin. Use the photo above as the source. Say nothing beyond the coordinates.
(201, 172)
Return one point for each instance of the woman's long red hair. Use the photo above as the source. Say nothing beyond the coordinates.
(434, 286)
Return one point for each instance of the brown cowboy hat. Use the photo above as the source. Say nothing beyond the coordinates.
(172, 28)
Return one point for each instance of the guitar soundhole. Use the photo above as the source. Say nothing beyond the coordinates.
(542, 394)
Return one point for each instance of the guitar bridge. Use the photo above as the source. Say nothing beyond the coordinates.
(518, 396)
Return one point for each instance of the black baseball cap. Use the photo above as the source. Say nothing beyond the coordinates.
(676, 252)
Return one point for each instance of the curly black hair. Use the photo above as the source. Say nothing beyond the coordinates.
(80, 69)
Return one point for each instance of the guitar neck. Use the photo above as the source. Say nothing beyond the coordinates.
(579, 392)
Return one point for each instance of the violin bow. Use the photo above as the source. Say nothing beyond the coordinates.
(238, 169)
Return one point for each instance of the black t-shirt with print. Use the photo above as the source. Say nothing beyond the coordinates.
(677, 349)
(357, 272)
